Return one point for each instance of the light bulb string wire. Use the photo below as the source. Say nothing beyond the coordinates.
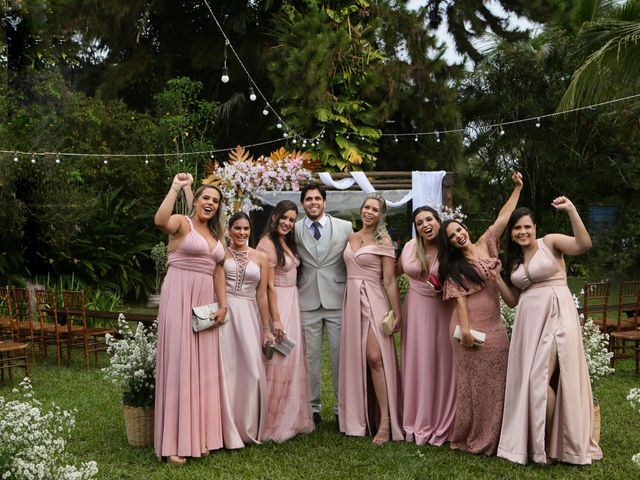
(268, 106)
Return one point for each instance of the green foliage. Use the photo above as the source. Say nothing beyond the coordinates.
(159, 256)
(103, 300)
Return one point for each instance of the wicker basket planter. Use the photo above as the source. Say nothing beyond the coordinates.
(139, 424)
(596, 423)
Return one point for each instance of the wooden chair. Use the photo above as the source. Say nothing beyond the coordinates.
(627, 337)
(54, 329)
(90, 339)
(13, 354)
(595, 304)
(28, 329)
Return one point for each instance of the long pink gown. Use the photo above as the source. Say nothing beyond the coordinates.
(365, 305)
(288, 410)
(546, 313)
(427, 364)
(243, 382)
(187, 401)
(481, 372)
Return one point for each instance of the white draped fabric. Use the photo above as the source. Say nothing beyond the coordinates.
(426, 189)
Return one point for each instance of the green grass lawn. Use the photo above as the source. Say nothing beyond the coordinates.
(323, 454)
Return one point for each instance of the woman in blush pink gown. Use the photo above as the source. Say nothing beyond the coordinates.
(548, 412)
(427, 365)
(242, 374)
(187, 398)
(468, 272)
(364, 348)
(288, 410)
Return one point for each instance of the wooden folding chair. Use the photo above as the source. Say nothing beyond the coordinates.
(595, 304)
(13, 354)
(90, 339)
(627, 337)
(28, 329)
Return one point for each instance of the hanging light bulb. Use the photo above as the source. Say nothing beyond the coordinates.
(415, 139)
(294, 140)
(33, 159)
(146, 159)
(438, 137)
(285, 134)
(225, 70)
(265, 110)
(15, 158)
(501, 132)
(279, 125)
(57, 159)
(105, 161)
(538, 123)
(395, 139)
(252, 95)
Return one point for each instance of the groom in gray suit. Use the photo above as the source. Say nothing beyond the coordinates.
(321, 240)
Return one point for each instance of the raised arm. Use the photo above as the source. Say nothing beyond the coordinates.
(580, 242)
(510, 205)
(188, 193)
(164, 219)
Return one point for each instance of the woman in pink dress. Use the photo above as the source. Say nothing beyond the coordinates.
(427, 366)
(365, 351)
(288, 410)
(467, 270)
(187, 398)
(548, 411)
(243, 380)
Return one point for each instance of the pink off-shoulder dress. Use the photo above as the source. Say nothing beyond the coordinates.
(427, 364)
(546, 314)
(187, 403)
(365, 306)
(288, 407)
(481, 372)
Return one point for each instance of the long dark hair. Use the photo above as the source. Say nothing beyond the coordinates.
(420, 255)
(513, 252)
(216, 224)
(453, 263)
(237, 216)
(280, 209)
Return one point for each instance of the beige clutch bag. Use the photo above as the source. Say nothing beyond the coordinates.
(387, 323)
(478, 336)
(201, 317)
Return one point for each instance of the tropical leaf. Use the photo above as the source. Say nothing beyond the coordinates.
(240, 154)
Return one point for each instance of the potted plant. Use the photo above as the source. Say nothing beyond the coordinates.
(159, 255)
(132, 368)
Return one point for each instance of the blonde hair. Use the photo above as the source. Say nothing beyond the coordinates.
(380, 232)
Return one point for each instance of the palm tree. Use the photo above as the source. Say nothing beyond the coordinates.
(609, 42)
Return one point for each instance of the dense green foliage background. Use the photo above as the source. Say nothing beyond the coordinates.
(108, 77)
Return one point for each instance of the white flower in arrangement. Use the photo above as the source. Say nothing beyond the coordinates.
(448, 213)
(32, 441)
(636, 459)
(634, 398)
(132, 365)
(508, 316)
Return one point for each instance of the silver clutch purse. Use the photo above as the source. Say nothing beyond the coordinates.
(201, 317)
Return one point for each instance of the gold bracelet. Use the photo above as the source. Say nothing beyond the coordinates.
(266, 329)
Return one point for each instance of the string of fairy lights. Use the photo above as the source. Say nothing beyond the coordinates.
(289, 134)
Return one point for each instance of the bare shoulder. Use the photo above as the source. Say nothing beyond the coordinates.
(260, 257)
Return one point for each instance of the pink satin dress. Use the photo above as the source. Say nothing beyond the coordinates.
(243, 381)
(365, 306)
(427, 363)
(546, 313)
(187, 402)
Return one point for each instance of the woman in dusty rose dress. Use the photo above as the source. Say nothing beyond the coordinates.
(364, 348)
(187, 400)
(242, 374)
(548, 411)
(288, 410)
(427, 366)
(468, 271)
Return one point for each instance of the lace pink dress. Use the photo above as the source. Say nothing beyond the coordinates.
(428, 368)
(480, 371)
(187, 402)
(288, 410)
(547, 313)
(243, 382)
(365, 305)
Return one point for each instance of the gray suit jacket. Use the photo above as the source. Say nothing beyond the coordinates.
(322, 275)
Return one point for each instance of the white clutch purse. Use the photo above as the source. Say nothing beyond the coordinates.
(387, 323)
(200, 317)
(478, 337)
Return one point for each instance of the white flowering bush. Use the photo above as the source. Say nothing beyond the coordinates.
(634, 399)
(508, 316)
(132, 366)
(448, 213)
(32, 441)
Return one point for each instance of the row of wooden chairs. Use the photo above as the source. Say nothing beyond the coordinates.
(624, 336)
(37, 320)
